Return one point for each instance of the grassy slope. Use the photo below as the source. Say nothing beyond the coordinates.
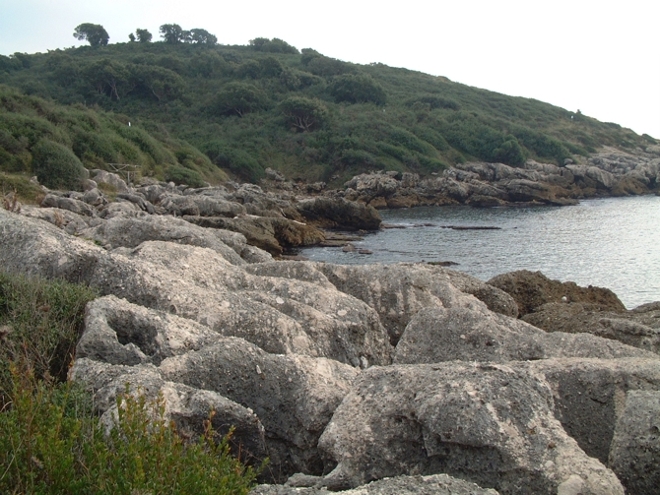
(199, 111)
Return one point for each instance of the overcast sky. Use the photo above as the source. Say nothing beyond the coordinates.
(602, 58)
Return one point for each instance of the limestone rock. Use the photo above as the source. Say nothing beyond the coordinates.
(186, 406)
(294, 396)
(339, 213)
(396, 291)
(435, 484)
(635, 451)
(475, 334)
(490, 424)
(589, 394)
(118, 332)
(639, 328)
(533, 289)
(132, 231)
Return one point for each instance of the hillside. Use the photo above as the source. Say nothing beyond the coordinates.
(191, 113)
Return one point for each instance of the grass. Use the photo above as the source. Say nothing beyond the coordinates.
(50, 440)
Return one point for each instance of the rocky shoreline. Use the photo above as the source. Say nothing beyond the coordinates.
(400, 378)
(608, 173)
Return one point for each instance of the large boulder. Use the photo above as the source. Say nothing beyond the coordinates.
(396, 291)
(490, 424)
(589, 394)
(132, 231)
(635, 451)
(474, 333)
(339, 213)
(187, 407)
(294, 396)
(639, 327)
(533, 289)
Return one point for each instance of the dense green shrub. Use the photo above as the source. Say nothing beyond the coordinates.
(182, 175)
(274, 45)
(304, 114)
(357, 89)
(56, 166)
(51, 443)
(238, 98)
(238, 161)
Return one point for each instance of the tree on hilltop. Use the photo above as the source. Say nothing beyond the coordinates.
(95, 34)
(172, 33)
(143, 36)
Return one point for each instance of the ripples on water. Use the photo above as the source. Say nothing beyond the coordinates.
(613, 243)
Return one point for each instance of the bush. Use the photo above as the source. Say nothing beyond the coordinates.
(56, 166)
(304, 114)
(181, 175)
(237, 161)
(357, 89)
(42, 321)
(50, 443)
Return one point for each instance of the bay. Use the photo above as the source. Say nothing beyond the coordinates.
(612, 242)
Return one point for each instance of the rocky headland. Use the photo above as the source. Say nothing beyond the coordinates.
(404, 378)
(610, 172)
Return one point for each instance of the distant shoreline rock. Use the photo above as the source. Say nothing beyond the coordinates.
(608, 173)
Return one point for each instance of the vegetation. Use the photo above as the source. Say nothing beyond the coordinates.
(244, 108)
(50, 441)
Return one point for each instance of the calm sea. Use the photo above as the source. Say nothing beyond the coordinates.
(613, 243)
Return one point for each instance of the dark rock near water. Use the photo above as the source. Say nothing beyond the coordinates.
(533, 289)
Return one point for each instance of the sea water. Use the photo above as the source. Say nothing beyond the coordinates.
(613, 243)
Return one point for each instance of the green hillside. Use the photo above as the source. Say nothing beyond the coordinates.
(202, 111)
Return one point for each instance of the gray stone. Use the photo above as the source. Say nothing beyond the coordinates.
(396, 291)
(589, 394)
(487, 423)
(639, 328)
(635, 450)
(188, 407)
(294, 396)
(474, 333)
(63, 203)
(132, 231)
(118, 332)
(435, 484)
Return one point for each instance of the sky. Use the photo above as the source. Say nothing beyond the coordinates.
(601, 58)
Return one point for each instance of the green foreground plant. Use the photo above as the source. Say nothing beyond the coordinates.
(50, 440)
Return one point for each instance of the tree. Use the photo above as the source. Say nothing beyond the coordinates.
(143, 36)
(109, 77)
(131, 37)
(95, 34)
(171, 33)
(202, 37)
(239, 98)
(304, 114)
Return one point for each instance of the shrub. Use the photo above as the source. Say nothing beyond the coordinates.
(304, 114)
(43, 321)
(56, 166)
(357, 89)
(181, 175)
(237, 161)
(50, 443)
(238, 99)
